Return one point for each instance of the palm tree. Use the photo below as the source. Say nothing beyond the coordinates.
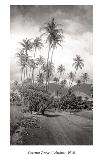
(78, 84)
(32, 65)
(78, 63)
(71, 77)
(54, 37)
(37, 44)
(56, 80)
(60, 70)
(40, 78)
(50, 67)
(40, 61)
(85, 77)
(22, 62)
(26, 46)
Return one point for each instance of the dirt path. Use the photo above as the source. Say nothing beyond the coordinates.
(60, 129)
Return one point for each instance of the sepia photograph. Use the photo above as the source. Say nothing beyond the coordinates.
(51, 75)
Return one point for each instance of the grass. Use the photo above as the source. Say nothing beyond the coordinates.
(88, 114)
(16, 116)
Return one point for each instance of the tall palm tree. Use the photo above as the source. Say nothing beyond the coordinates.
(78, 85)
(61, 69)
(85, 77)
(71, 77)
(37, 44)
(40, 61)
(22, 62)
(40, 78)
(32, 65)
(56, 80)
(26, 47)
(50, 67)
(78, 63)
(54, 37)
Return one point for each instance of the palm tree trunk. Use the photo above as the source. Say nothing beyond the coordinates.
(21, 75)
(26, 72)
(47, 78)
(52, 55)
(33, 75)
(73, 79)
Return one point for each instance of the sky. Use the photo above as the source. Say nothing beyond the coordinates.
(77, 25)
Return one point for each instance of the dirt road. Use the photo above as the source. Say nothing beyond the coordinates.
(61, 129)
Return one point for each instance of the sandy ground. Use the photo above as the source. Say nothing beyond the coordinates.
(61, 128)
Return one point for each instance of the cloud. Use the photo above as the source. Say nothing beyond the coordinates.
(81, 15)
(77, 27)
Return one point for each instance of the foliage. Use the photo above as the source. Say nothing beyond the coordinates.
(53, 33)
(78, 62)
(56, 80)
(85, 77)
(16, 116)
(40, 78)
(48, 69)
(63, 83)
(61, 69)
(70, 101)
(35, 97)
(14, 98)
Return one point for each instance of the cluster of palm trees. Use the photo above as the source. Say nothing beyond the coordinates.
(54, 37)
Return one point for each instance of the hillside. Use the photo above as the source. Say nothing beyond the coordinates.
(83, 89)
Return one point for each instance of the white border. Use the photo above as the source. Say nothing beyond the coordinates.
(5, 148)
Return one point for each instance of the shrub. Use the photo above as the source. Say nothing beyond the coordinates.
(35, 97)
(70, 101)
(14, 98)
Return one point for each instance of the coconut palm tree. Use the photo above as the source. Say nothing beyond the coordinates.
(40, 61)
(61, 69)
(54, 37)
(26, 47)
(32, 65)
(37, 44)
(40, 78)
(50, 67)
(85, 77)
(22, 62)
(78, 63)
(78, 85)
(56, 80)
(71, 77)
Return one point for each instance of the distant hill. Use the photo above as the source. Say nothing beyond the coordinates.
(83, 89)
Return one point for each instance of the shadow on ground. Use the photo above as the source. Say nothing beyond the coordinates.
(49, 115)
